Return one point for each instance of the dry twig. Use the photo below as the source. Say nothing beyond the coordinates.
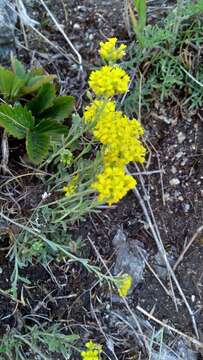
(197, 233)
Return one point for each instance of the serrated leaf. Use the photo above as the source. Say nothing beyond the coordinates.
(18, 69)
(43, 100)
(10, 85)
(50, 127)
(37, 145)
(35, 82)
(16, 120)
(62, 108)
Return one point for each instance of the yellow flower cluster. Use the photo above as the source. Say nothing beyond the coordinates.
(124, 284)
(112, 184)
(70, 188)
(109, 81)
(121, 135)
(114, 130)
(93, 351)
(98, 110)
(109, 52)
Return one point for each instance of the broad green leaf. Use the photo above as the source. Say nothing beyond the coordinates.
(43, 100)
(19, 69)
(10, 85)
(16, 120)
(50, 127)
(62, 108)
(36, 82)
(37, 145)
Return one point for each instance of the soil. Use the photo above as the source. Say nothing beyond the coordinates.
(67, 293)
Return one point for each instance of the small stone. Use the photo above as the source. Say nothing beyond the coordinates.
(193, 298)
(179, 154)
(180, 198)
(166, 196)
(183, 162)
(173, 170)
(174, 182)
(76, 26)
(181, 137)
(91, 37)
(186, 207)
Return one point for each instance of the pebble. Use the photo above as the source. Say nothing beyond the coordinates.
(186, 207)
(173, 170)
(174, 182)
(181, 137)
(179, 154)
(76, 26)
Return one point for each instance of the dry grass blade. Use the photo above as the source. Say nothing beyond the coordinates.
(63, 33)
(52, 44)
(150, 316)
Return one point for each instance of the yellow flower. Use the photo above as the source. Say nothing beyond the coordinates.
(109, 52)
(109, 81)
(113, 184)
(123, 284)
(70, 188)
(120, 134)
(98, 109)
(93, 351)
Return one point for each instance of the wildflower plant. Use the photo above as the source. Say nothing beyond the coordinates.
(118, 135)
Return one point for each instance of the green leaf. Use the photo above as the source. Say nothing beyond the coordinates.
(50, 127)
(141, 8)
(19, 69)
(35, 82)
(37, 145)
(16, 120)
(10, 85)
(62, 108)
(43, 100)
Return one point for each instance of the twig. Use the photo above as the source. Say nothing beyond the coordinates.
(52, 44)
(154, 273)
(150, 316)
(124, 300)
(63, 33)
(156, 234)
(198, 232)
(5, 152)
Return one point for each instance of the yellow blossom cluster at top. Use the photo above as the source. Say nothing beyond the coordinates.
(109, 52)
(118, 134)
(93, 351)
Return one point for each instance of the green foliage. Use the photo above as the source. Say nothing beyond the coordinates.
(139, 22)
(166, 58)
(37, 119)
(36, 341)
